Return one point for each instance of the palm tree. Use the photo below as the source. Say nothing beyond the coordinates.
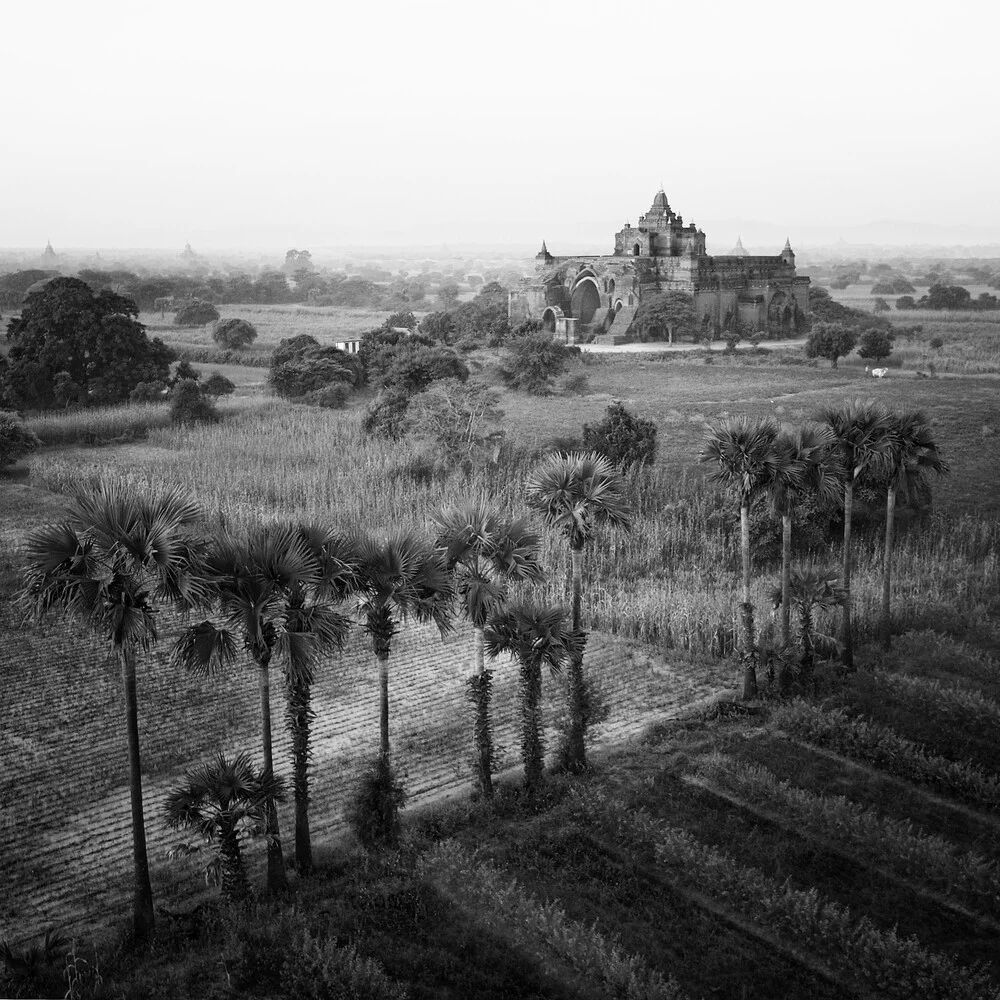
(813, 589)
(223, 801)
(536, 635)
(911, 451)
(252, 575)
(400, 577)
(863, 433)
(485, 553)
(116, 552)
(743, 448)
(312, 628)
(574, 493)
(806, 462)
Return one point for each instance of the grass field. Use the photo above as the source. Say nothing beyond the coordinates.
(730, 851)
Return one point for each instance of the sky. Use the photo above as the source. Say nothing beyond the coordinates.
(253, 125)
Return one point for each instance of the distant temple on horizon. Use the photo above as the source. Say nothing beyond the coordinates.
(573, 295)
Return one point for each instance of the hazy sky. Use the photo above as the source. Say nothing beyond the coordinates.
(305, 124)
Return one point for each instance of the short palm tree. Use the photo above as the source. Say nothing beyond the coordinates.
(313, 628)
(863, 431)
(537, 636)
(813, 589)
(485, 552)
(574, 493)
(807, 462)
(912, 451)
(224, 801)
(117, 552)
(251, 575)
(743, 448)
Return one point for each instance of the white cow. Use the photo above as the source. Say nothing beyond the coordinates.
(876, 372)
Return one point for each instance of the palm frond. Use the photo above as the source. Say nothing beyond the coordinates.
(204, 648)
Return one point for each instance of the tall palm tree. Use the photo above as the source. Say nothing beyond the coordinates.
(399, 577)
(574, 493)
(743, 448)
(116, 553)
(806, 462)
(485, 552)
(863, 430)
(912, 450)
(252, 574)
(313, 628)
(537, 635)
(223, 801)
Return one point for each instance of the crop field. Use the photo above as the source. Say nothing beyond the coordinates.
(844, 844)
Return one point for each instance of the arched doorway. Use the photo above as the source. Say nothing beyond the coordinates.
(585, 300)
(549, 317)
(636, 250)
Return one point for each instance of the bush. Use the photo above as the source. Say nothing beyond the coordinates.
(16, 441)
(188, 404)
(373, 815)
(331, 397)
(315, 970)
(185, 370)
(622, 438)
(218, 385)
(196, 313)
(234, 333)
(533, 361)
(149, 392)
(257, 940)
(937, 343)
(385, 415)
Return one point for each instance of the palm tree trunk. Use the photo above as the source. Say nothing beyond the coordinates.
(233, 875)
(532, 738)
(383, 688)
(142, 904)
(747, 650)
(481, 692)
(575, 750)
(299, 721)
(890, 515)
(847, 638)
(745, 549)
(277, 880)
(786, 597)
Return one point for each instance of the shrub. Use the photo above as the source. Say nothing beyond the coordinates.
(319, 970)
(218, 385)
(373, 815)
(385, 415)
(937, 343)
(188, 404)
(234, 333)
(295, 379)
(196, 313)
(331, 397)
(533, 361)
(257, 940)
(16, 441)
(149, 392)
(622, 438)
(185, 370)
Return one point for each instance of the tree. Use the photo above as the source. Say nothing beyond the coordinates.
(485, 553)
(743, 448)
(574, 493)
(250, 575)
(223, 802)
(881, 306)
(806, 461)
(906, 302)
(622, 438)
(536, 635)
(189, 405)
(95, 339)
(185, 371)
(218, 385)
(862, 431)
(875, 345)
(461, 420)
(115, 554)
(830, 341)
(812, 589)
(666, 316)
(234, 333)
(196, 313)
(532, 362)
(438, 326)
(16, 441)
(448, 294)
(911, 450)
(946, 297)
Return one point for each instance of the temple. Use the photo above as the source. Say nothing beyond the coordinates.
(584, 297)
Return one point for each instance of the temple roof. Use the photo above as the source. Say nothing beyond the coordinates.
(739, 250)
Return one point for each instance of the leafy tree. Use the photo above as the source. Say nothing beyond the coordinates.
(946, 297)
(875, 345)
(862, 431)
(492, 295)
(16, 441)
(196, 313)
(906, 302)
(223, 802)
(743, 448)
(218, 385)
(893, 285)
(301, 368)
(622, 438)
(149, 392)
(189, 405)
(271, 287)
(95, 339)
(414, 368)
(116, 552)
(666, 316)
(448, 294)
(910, 451)
(185, 371)
(831, 341)
(404, 320)
(537, 635)
(14, 287)
(532, 362)
(438, 326)
(485, 553)
(574, 493)
(386, 415)
(461, 420)
(234, 333)
(881, 306)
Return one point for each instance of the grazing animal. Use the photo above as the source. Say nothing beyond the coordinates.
(876, 372)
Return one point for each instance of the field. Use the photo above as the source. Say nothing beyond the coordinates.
(733, 849)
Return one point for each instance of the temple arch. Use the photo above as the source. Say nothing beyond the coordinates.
(585, 300)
